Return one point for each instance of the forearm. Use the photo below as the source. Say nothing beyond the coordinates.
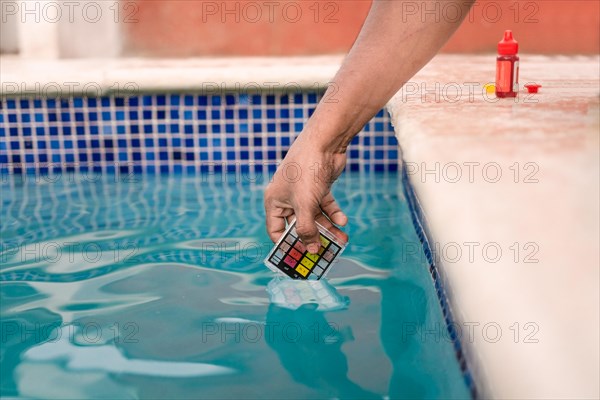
(391, 47)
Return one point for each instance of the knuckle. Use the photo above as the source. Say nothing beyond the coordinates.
(269, 196)
(304, 229)
(328, 202)
(269, 191)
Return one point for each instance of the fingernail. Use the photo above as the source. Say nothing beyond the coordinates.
(313, 248)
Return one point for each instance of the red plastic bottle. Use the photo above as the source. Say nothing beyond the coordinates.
(507, 67)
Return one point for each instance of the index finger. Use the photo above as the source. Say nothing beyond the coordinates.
(276, 219)
(275, 225)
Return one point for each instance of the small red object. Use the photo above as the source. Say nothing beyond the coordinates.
(507, 66)
(532, 87)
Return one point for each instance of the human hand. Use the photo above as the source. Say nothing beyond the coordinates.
(301, 188)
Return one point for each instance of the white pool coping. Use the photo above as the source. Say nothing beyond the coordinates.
(557, 132)
(211, 75)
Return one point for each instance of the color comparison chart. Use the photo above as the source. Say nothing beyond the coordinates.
(291, 257)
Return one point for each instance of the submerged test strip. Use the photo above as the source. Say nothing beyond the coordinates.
(291, 257)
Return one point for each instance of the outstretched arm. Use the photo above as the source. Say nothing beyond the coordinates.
(391, 47)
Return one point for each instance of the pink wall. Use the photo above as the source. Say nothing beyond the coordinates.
(543, 26)
(184, 28)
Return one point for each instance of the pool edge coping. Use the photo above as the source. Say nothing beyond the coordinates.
(67, 77)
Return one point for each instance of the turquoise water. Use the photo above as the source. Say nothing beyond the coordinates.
(154, 287)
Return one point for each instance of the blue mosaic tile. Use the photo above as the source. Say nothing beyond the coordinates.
(421, 227)
(237, 130)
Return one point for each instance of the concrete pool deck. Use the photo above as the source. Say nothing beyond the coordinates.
(509, 189)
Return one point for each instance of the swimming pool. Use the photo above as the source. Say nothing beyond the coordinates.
(153, 286)
(133, 242)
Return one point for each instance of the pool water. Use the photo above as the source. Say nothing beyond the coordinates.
(150, 286)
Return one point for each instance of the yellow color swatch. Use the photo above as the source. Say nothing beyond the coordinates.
(301, 270)
(312, 257)
(307, 263)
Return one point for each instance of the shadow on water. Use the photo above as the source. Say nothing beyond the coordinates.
(317, 360)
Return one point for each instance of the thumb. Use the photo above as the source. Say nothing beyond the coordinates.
(307, 230)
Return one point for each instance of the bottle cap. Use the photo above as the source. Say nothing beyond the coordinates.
(508, 45)
(532, 87)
